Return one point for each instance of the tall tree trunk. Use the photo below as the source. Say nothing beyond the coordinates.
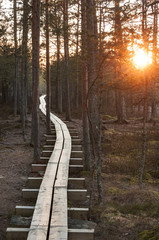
(120, 107)
(66, 52)
(144, 24)
(155, 31)
(93, 92)
(77, 60)
(144, 144)
(86, 137)
(15, 58)
(59, 81)
(35, 76)
(48, 98)
(24, 67)
(58, 66)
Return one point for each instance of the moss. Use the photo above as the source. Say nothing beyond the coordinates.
(115, 191)
(153, 143)
(108, 117)
(85, 173)
(148, 208)
(152, 234)
(147, 178)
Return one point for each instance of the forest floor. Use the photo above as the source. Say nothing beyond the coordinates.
(127, 211)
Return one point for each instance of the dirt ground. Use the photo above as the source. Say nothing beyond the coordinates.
(16, 157)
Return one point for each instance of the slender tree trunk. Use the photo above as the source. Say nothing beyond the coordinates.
(48, 102)
(120, 106)
(86, 137)
(24, 67)
(35, 76)
(77, 60)
(59, 80)
(155, 31)
(144, 146)
(15, 59)
(94, 114)
(66, 52)
(144, 24)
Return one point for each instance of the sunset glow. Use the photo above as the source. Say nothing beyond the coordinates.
(142, 59)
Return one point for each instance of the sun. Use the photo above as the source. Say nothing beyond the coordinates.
(142, 59)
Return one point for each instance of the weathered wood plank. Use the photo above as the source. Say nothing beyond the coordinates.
(76, 182)
(34, 182)
(78, 213)
(76, 161)
(24, 211)
(38, 167)
(78, 234)
(58, 233)
(17, 233)
(76, 154)
(77, 194)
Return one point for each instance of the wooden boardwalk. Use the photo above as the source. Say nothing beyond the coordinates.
(61, 156)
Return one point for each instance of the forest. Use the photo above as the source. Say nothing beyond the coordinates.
(97, 63)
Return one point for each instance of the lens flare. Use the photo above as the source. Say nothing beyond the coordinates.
(142, 59)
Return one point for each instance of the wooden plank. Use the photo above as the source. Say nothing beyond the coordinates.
(77, 194)
(76, 147)
(62, 176)
(38, 167)
(76, 154)
(51, 141)
(58, 226)
(17, 233)
(37, 233)
(76, 161)
(44, 160)
(46, 153)
(78, 234)
(58, 233)
(24, 211)
(75, 168)
(48, 147)
(59, 211)
(54, 158)
(30, 193)
(78, 213)
(76, 182)
(34, 182)
(76, 141)
(42, 209)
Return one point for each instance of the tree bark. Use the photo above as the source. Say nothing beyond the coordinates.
(144, 144)
(120, 106)
(35, 76)
(86, 137)
(155, 31)
(66, 53)
(15, 58)
(94, 114)
(48, 87)
(24, 67)
(59, 81)
(77, 59)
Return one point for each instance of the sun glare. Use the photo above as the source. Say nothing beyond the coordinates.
(142, 59)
